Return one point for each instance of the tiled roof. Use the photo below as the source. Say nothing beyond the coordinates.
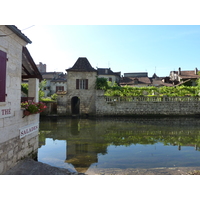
(19, 33)
(105, 71)
(29, 68)
(60, 78)
(82, 65)
(131, 81)
(187, 74)
(159, 82)
(49, 75)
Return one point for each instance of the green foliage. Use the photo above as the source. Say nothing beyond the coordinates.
(54, 96)
(43, 84)
(41, 95)
(24, 88)
(128, 91)
(33, 108)
(41, 92)
(101, 84)
(45, 99)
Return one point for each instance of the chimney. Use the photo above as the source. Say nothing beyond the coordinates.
(179, 71)
(196, 71)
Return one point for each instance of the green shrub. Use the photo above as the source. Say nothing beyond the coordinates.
(54, 96)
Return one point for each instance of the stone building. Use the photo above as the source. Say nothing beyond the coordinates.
(55, 81)
(111, 76)
(81, 92)
(18, 135)
(135, 79)
(58, 83)
(179, 77)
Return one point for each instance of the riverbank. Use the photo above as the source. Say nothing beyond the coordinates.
(31, 167)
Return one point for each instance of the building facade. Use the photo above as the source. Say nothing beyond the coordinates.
(55, 81)
(18, 134)
(81, 90)
(113, 77)
(179, 77)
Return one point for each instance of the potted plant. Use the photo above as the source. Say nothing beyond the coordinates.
(32, 108)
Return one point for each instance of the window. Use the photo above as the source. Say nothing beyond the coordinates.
(82, 84)
(3, 59)
(110, 79)
(59, 88)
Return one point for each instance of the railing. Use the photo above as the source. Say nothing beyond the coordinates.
(151, 99)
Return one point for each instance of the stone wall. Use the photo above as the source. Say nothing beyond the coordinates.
(62, 105)
(116, 106)
(147, 106)
(12, 147)
(87, 96)
(51, 108)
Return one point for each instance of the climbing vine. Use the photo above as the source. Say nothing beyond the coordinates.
(152, 91)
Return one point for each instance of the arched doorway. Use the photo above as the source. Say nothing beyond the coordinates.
(75, 105)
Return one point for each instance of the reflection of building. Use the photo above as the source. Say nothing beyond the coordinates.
(81, 155)
(81, 148)
(83, 143)
(89, 139)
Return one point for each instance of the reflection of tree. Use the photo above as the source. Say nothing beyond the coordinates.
(180, 138)
(86, 138)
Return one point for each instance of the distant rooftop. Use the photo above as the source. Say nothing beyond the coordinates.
(136, 74)
(105, 71)
(134, 80)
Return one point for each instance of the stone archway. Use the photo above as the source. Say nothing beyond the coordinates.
(75, 105)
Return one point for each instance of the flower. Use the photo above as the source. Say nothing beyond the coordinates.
(33, 107)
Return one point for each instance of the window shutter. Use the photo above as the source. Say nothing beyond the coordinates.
(77, 84)
(3, 58)
(86, 84)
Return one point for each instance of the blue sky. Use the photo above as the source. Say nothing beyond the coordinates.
(125, 48)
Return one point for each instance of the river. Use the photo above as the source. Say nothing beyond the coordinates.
(85, 145)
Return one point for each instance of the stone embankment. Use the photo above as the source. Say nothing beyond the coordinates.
(31, 167)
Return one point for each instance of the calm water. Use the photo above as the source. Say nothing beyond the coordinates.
(83, 144)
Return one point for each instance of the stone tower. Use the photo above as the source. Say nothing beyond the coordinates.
(81, 90)
(41, 67)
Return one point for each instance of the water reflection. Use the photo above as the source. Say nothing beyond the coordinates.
(119, 143)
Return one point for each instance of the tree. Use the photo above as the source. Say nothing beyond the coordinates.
(101, 84)
(42, 85)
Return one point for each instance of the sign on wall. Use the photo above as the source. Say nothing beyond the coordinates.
(26, 130)
(5, 112)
